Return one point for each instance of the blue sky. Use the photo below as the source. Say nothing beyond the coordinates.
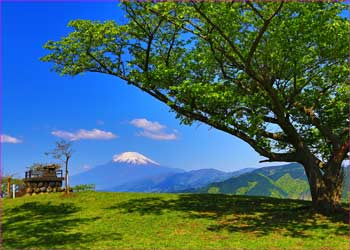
(102, 114)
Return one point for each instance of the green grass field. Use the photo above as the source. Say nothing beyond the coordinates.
(94, 220)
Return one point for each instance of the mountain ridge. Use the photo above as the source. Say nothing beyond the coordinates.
(134, 172)
(178, 181)
(113, 173)
(284, 181)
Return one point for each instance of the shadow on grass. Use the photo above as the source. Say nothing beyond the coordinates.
(258, 215)
(51, 226)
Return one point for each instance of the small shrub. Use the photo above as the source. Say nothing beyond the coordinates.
(84, 187)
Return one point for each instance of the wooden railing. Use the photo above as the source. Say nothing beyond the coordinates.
(35, 174)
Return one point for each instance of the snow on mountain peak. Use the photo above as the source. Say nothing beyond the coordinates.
(133, 158)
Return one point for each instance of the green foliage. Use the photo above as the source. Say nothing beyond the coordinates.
(97, 220)
(273, 74)
(84, 188)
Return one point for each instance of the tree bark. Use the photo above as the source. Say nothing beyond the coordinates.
(325, 187)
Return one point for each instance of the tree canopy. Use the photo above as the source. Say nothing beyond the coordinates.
(273, 74)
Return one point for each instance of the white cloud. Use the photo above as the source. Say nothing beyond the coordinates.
(147, 125)
(9, 139)
(158, 136)
(153, 130)
(83, 134)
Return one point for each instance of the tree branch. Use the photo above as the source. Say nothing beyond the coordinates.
(149, 44)
(260, 34)
(287, 157)
(170, 48)
(221, 32)
(338, 156)
(200, 117)
(317, 123)
(133, 15)
(251, 5)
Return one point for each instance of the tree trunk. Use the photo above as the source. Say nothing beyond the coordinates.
(66, 178)
(325, 187)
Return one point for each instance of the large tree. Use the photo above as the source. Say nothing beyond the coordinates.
(272, 74)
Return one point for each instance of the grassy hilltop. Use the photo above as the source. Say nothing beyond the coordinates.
(93, 220)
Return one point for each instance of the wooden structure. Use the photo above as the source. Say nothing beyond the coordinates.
(42, 179)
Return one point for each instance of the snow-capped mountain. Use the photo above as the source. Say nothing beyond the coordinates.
(123, 169)
(133, 158)
(134, 172)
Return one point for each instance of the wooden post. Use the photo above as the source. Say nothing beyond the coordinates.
(13, 191)
(8, 186)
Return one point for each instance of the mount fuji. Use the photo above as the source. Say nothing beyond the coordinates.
(125, 168)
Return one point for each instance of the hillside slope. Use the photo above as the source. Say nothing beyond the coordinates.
(286, 181)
